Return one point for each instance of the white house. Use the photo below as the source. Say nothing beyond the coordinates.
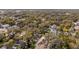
(76, 27)
(53, 28)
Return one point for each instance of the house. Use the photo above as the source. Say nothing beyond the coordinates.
(2, 12)
(13, 27)
(76, 27)
(4, 26)
(14, 47)
(43, 19)
(53, 28)
(67, 13)
(23, 33)
(41, 43)
(3, 30)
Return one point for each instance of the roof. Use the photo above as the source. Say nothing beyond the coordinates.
(3, 30)
(77, 23)
(76, 27)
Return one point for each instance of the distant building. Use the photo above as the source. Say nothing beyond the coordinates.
(4, 26)
(14, 47)
(2, 12)
(43, 19)
(3, 30)
(53, 28)
(67, 13)
(13, 27)
(23, 33)
(76, 27)
(41, 44)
